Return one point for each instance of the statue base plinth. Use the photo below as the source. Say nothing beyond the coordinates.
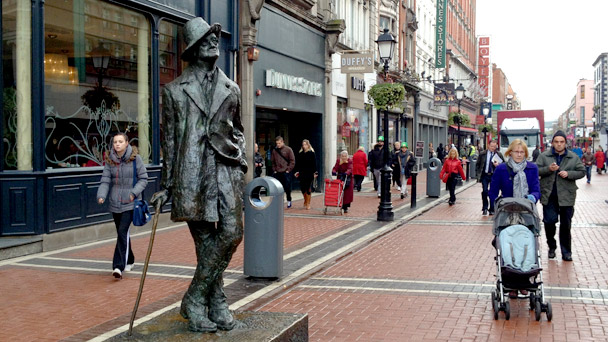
(251, 326)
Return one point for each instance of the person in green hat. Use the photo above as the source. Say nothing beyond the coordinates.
(406, 162)
(376, 162)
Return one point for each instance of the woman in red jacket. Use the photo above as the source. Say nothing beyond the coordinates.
(599, 159)
(451, 168)
(359, 167)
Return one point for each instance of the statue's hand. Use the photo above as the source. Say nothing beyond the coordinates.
(160, 198)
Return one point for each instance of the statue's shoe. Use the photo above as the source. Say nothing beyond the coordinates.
(223, 318)
(201, 324)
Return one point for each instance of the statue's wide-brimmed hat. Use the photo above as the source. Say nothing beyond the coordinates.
(195, 30)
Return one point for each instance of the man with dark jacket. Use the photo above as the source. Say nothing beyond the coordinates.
(486, 164)
(559, 169)
(283, 162)
(376, 162)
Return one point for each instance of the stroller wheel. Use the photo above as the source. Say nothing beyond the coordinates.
(549, 311)
(495, 305)
(537, 310)
(532, 300)
(507, 310)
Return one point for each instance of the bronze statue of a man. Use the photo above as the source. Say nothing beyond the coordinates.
(203, 171)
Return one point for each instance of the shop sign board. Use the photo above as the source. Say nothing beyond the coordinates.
(346, 130)
(357, 63)
(296, 84)
(419, 152)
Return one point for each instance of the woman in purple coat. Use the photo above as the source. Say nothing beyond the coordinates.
(508, 178)
(343, 169)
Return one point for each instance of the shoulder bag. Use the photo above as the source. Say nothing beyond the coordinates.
(141, 211)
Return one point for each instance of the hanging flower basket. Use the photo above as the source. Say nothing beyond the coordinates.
(386, 96)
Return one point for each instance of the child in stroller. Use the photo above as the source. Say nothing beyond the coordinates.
(516, 231)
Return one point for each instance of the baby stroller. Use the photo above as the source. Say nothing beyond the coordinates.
(516, 231)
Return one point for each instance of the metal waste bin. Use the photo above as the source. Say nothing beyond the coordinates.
(473, 167)
(263, 201)
(433, 182)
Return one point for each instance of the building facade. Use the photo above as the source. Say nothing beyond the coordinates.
(600, 95)
(75, 73)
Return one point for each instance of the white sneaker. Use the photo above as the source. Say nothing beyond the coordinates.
(129, 267)
(398, 188)
(117, 274)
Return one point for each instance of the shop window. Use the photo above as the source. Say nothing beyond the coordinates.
(97, 81)
(16, 85)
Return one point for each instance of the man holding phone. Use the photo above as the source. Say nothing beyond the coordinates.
(559, 169)
(486, 164)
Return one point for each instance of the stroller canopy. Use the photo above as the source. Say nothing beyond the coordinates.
(511, 211)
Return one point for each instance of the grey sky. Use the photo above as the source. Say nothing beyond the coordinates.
(544, 46)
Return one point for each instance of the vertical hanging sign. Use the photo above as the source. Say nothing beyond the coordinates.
(440, 39)
(483, 69)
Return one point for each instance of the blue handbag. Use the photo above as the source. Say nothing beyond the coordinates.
(141, 211)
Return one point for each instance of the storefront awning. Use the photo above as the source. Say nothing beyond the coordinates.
(464, 129)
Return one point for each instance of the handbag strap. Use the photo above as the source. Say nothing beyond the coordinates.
(135, 175)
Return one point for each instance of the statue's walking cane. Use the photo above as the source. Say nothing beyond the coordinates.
(143, 273)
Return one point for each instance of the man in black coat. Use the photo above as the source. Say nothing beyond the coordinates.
(487, 162)
(375, 159)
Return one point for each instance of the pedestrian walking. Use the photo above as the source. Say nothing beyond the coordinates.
(123, 186)
(283, 162)
(578, 151)
(517, 177)
(394, 165)
(405, 163)
(450, 171)
(535, 154)
(588, 160)
(306, 170)
(431, 150)
(440, 152)
(343, 169)
(376, 162)
(258, 162)
(559, 169)
(606, 159)
(359, 167)
(486, 164)
(599, 159)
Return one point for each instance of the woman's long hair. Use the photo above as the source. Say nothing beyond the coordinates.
(453, 154)
(309, 145)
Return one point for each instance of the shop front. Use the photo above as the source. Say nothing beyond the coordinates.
(74, 74)
(289, 81)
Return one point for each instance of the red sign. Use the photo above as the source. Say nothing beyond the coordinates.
(346, 130)
(479, 119)
(483, 70)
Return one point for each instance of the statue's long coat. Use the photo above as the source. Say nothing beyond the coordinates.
(204, 148)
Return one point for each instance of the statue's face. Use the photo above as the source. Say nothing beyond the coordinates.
(208, 48)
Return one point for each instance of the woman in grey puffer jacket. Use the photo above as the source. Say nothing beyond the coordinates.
(118, 175)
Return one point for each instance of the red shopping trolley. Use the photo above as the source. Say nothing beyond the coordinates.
(334, 195)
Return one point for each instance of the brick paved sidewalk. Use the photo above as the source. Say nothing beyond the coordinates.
(431, 280)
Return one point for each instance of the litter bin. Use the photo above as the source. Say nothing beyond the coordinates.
(473, 166)
(433, 182)
(263, 232)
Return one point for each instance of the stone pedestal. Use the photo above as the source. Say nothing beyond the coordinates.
(251, 327)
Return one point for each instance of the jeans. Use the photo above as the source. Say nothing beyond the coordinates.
(403, 179)
(377, 182)
(358, 181)
(452, 186)
(588, 170)
(285, 179)
(551, 212)
(123, 254)
(486, 179)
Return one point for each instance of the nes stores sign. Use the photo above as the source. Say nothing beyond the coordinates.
(357, 63)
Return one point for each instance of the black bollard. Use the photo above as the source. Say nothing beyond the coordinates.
(467, 172)
(413, 198)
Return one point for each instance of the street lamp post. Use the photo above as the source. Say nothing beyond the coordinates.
(593, 136)
(386, 44)
(101, 58)
(459, 97)
(485, 111)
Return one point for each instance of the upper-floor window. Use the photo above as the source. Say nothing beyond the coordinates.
(582, 91)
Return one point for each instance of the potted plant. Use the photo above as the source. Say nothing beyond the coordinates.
(386, 96)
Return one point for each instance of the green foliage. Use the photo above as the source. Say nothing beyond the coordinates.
(464, 119)
(98, 95)
(490, 129)
(387, 95)
(594, 134)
